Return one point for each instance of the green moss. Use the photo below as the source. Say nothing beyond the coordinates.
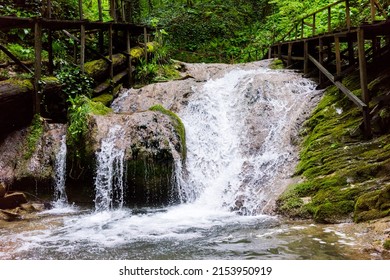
(105, 99)
(24, 83)
(333, 212)
(137, 52)
(386, 244)
(276, 64)
(178, 124)
(95, 66)
(34, 134)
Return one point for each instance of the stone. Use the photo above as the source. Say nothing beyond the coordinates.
(3, 191)
(12, 200)
(9, 215)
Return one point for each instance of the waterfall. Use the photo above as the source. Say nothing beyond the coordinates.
(239, 129)
(110, 171)
(60, 174)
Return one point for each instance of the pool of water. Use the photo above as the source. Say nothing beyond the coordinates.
(179, 232)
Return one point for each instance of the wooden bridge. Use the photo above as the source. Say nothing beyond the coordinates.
(76, 30)
(337, 51)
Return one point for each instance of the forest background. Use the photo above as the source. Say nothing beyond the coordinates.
(227, 31)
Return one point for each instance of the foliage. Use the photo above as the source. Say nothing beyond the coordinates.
(146, 71)
(79, 108)
(24, 53)
(34, 134)
(74, 82)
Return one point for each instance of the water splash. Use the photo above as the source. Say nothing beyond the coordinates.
(60, 196)
(110, 173)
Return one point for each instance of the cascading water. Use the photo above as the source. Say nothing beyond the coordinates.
(60, 196)
(110, 170)
(238, 136)
(239, 131)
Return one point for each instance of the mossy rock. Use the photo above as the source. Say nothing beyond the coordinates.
(105, 99)
(334, 212)
(372, 205)
(178, 124)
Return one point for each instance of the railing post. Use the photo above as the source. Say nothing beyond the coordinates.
(314, 24)
(320, 59)
(363, 83)
(305, 57)
(302, 29)
(37, 66)
(329, 20)
(146, 44)
(289, 58)
(50, 40)
(101, 34)
(129, 66)
(338, 56)
(82, 37)
(351, 52)
(373, 10)
(347, 14)
(110, 47)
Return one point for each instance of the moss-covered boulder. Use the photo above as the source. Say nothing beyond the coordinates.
(151, 145)
(373, 205)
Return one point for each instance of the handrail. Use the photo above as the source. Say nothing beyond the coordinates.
(302, 22)
(299, 24)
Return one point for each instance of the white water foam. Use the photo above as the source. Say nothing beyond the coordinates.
(110, 171)
(60, 197)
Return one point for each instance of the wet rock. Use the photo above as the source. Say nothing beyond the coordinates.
(29, 208)
(12, 200)
(9, 215)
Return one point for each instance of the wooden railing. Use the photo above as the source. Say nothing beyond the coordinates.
(298, 31)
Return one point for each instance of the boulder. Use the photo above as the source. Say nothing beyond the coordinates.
(12, 200)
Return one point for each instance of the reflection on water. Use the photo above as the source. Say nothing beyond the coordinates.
(71, 233)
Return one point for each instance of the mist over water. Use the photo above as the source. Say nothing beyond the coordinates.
(239, 131)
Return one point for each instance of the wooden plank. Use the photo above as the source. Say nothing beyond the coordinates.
(338, 84)
(293, 57)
